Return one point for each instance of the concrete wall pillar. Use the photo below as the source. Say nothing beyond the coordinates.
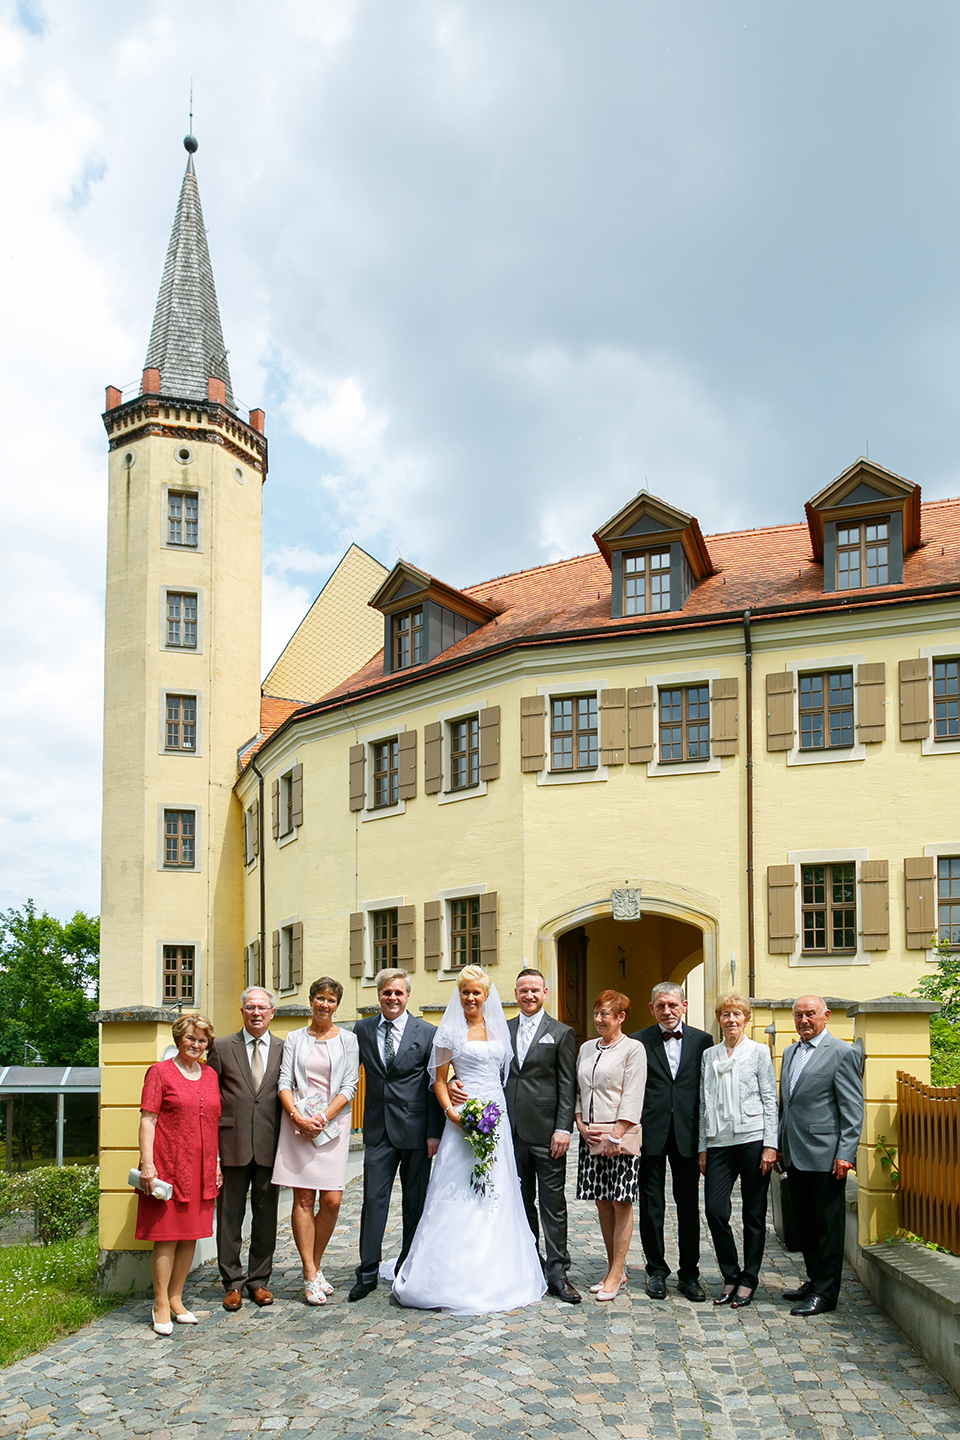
(895, 1032)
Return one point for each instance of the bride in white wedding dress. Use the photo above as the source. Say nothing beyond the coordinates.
(472, 1254)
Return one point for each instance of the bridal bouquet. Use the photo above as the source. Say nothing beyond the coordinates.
(479, 1124)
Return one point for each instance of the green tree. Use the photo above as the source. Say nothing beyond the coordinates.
(944, 985)
(49, 980)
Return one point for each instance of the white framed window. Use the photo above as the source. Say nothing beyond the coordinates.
(383, 774)
(460, 751)
(181, 722)
(943, 701)
(181, 619)
(178, 971)
(182, 518)
(380, 935)
(682, 723)
(460, 927)
(945, 855)
(572, 734)
(826, 710)
(178, 837)
(828, 908)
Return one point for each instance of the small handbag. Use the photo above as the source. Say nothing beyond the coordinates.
(162, 1189)
(629, 1140)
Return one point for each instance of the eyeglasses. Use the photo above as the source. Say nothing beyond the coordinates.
(257, 1009)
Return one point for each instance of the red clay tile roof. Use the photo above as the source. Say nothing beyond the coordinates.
(273, 712)
(764, 570)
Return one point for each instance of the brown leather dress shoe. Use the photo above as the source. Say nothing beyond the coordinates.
(232, 1300)
(261, 1296)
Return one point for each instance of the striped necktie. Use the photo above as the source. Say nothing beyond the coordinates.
(799, 1063)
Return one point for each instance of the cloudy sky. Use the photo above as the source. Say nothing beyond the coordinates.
(490, 267)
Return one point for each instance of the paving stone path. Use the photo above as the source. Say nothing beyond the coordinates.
(633, 1368)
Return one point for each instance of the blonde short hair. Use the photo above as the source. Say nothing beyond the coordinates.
(186, 1022)
(473, 972)
(733, 1000)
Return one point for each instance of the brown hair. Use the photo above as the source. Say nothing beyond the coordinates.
(733, 1000)
(189, 1021)
(612, 1000)
(326, 983)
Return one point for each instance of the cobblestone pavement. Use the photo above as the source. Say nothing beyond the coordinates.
(632, 1368)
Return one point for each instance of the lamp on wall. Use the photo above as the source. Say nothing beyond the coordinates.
(37, 1057)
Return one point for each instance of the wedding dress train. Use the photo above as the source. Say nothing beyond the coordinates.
(472, 1254)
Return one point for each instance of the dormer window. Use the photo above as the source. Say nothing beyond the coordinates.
(863, 554)
(656, 556)
(408, 639)
(646, 582)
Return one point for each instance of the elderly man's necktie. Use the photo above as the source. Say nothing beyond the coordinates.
(256, 1066)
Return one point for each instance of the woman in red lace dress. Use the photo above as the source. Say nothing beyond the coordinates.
(179, 1127)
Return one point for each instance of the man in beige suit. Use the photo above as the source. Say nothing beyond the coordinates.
(248, 1066)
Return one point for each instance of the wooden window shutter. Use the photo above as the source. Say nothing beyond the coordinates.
(613, 727)
(432, 758)
(919, 883)
(871, 706)
(781, 725)
(490, 743)
(640, 725)
(255, 830)
(358, 765)
(275, 803)
(406, 937)
(914, 699)
(276, 959)
(781, 909)
(296, 953)
(356, 945)
(533, 750)
(296, 796)
(247, 837)
(255, 957)
(432, 934)
(407, 765)
(488, 929)
(725, 716)
(875, 904)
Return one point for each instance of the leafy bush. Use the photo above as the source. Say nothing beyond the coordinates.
(944, 985)
(944, 1052)
(62, 1199)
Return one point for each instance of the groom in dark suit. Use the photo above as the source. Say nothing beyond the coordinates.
(670, 1121)
(541, 1095)
(248, 1067)
(402, 1122)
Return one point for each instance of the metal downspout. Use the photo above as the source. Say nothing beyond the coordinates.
(263, 884)
(751, 900)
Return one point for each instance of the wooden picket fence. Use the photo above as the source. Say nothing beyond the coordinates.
(928, 1125)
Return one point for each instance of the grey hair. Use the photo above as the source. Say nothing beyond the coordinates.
(385, 976)
(263, 991)
(666, 987)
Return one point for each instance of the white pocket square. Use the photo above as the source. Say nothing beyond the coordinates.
(546, 1040)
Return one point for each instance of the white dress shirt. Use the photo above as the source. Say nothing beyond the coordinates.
(399, 1025)
(251, 1041)
(801, 1058)
(528, 1027)
(673, 1048)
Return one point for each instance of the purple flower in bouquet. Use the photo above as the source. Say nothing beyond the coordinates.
(479, 1125)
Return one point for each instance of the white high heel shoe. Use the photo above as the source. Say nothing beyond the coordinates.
(595, 1289)
(186, 1317)
(313, 1292)
(325, 1285)
(158, 1328)
(601, 1294)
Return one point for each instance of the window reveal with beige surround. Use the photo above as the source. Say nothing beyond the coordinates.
(180, 723)
(573, 732)
(684, 724)
(461, 753)
(287, 947)
(564, 727)
(863, 554)
(181, 626)
(179, 974)
(383, 933)
(383, 773)
(384, 939)
(254, 969)
(646, 582)
(286, 803)
(826, 711)
(183, 519)
(460, 928)
(251, 835)
(179, 839)
(694, 716)
(828, 907)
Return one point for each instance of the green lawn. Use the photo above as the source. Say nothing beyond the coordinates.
(47, 1291)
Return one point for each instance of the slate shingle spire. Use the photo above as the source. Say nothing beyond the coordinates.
(186, 343)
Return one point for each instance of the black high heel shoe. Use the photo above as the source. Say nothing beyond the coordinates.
(739, 1301)
(726, 1298)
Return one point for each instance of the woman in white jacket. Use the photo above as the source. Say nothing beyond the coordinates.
(738, 1140)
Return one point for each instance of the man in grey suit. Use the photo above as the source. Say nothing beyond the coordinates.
(821, 1117)
(402, 1122)
(541, 1095)
(248, 1066)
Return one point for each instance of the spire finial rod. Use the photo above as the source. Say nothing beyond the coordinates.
(190, 143)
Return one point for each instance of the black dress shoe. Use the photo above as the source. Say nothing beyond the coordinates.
(362, 1289)
(725, 1299)
(813, 1305)
(801, 1292)
(739, 1301)
(657, 1287)
(692, 1290)
(566, 1293)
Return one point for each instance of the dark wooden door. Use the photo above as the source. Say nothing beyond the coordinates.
(572, 968)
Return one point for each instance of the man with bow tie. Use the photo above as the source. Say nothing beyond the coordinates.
(670, 1123)
(248, 1067)
(821, 1116)
(402, 1122)
(541, 1093)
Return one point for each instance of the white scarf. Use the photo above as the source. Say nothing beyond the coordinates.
(728, 1090)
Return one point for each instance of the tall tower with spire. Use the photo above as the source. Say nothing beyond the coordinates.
(182, 689)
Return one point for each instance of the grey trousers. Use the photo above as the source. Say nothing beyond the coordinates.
(543, 1177)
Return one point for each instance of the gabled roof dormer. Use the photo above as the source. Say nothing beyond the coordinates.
(861, 526)
(423, 617)
(656, 556)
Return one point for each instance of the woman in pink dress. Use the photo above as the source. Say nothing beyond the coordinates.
(319, 1073)
(179, 1130)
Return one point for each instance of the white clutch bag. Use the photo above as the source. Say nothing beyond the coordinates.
(312, 1105)
(162, 1189)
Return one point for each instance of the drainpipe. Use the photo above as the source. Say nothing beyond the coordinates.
(263, 884)
(751, 903)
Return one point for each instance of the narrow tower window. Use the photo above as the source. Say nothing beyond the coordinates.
(183, 514)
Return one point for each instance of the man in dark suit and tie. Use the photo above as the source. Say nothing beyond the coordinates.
(402, 1122)
(821, 1117)
(248, 1066)
(670, 1122)
(541, 1095)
